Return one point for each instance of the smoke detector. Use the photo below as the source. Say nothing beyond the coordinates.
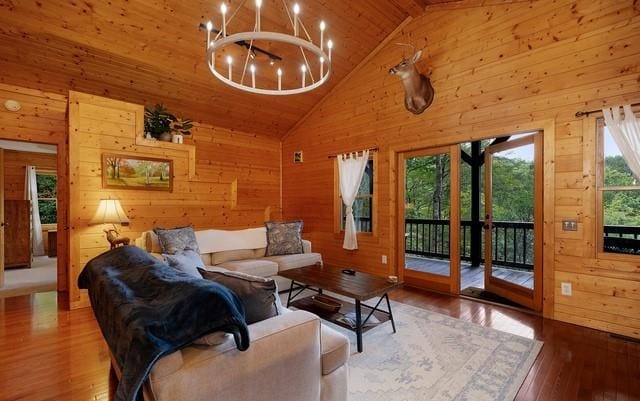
(12, 105)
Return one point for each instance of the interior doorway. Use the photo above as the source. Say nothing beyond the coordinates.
(29, 191)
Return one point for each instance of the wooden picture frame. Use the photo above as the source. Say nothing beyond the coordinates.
(160, 177)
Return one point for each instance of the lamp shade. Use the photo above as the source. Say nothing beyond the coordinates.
(109, 212)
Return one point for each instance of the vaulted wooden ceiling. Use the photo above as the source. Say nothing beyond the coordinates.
(151, 51)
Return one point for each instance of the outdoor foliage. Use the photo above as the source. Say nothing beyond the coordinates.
(47, 193)
(620, 207)
(512, 190)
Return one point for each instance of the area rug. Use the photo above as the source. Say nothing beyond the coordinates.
(438, 358)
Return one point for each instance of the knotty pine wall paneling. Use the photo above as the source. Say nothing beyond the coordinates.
(42, 119)
(494, 69)
(221, 178)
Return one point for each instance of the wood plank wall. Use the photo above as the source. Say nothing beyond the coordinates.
(42, 119)
(233, 182)
(493, 68)
(15, 163)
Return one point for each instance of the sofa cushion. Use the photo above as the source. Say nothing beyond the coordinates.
(257, 267)
(257, 294)
(286, 262)
(335, 349)
(239, 254)
(284, 238)
(177, 239)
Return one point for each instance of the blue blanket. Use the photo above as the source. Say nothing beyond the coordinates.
(147, 309)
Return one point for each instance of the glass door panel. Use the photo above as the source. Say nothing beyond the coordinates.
(429, 189)
(513, 202)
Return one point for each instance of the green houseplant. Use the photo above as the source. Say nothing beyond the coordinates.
(162, 125)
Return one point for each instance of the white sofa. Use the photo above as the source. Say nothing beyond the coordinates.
(292, 357)
(240, 250)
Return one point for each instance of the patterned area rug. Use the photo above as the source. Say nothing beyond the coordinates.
(438, 358)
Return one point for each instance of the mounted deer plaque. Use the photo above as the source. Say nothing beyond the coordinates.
(418, 92)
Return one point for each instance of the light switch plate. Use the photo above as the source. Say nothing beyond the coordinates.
(565, 289)
(384, 259)
(569, 225)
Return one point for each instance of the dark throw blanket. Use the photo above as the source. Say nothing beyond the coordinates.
(147, 309)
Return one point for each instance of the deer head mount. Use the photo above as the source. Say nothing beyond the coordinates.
(418, 92)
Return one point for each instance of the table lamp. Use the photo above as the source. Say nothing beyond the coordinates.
(110, 211)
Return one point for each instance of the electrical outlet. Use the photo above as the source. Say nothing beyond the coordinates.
(569, 225)
(384, 259)
(565, 289)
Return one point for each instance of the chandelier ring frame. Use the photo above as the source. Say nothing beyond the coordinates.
(219, 44)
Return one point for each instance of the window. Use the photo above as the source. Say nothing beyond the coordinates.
(47, 183)
(618, 198)
(363, 204)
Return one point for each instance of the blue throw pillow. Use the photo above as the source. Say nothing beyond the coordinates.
(187, 261)
(174, 240)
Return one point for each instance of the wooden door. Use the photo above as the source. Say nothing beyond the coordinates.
(429, 247)
(513, 249)
(1, 217)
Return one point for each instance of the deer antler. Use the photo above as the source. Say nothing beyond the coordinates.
(407, 45)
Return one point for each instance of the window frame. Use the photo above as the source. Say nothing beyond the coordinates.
(338, 204)
(49, 226)
(601, 189)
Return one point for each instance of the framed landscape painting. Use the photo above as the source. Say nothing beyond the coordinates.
(135, 172)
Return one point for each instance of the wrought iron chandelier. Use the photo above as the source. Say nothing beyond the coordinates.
(312, 56)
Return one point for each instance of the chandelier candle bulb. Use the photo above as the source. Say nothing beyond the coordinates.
(229, 62)
(253, 75)
(304, 74)
(330, 46)
(258, 6)
(296, 11)
(279, 79)
(322, 27)
(223, 10)
(209, 29)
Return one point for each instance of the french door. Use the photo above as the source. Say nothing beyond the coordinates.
(1, 217)
(512, 247)
(429, 218)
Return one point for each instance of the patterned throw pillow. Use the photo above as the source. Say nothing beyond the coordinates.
(284, 238)
(173, 240)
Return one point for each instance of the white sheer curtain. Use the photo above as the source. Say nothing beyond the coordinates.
(626, 134)
(351, 169)
(31, 194)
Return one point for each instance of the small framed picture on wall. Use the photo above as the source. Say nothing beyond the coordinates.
(297, 156)
(136, 172)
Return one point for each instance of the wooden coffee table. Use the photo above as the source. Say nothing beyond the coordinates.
(360, 287)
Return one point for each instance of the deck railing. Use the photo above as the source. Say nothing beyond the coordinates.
(622, 239)
(512, 241)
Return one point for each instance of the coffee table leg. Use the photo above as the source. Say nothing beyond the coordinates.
(359, 325)
(290, 292)
(393, 323)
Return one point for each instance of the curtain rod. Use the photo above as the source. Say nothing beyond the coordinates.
(370, 150)
(586, 113)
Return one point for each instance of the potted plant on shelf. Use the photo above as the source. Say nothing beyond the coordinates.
(162, 125)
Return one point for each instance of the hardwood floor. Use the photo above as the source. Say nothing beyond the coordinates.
(49, 354)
